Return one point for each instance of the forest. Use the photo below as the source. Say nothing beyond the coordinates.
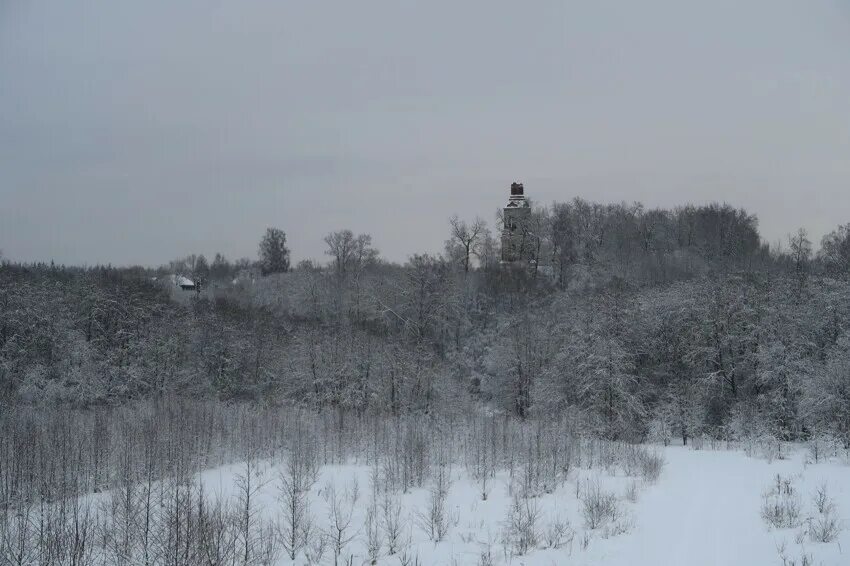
(640, 323)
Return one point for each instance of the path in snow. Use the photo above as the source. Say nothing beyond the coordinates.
(704, 512)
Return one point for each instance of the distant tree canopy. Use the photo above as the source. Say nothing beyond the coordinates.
(274, 255)
(349, 253)
(638, 243)
(220, 267)
(202, 269)
(835, 252)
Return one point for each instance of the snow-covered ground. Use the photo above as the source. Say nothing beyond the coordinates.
(706, 509)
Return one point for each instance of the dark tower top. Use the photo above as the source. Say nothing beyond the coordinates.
(517, 198)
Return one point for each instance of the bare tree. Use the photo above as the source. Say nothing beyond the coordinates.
(248, 485)
(340, 513)
(466, 238)
(391, 522)
(435, 520)
(297, 476)
(521, 525)
(801, 253)
(350, 253)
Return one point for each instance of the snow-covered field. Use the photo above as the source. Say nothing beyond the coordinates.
(706, 509)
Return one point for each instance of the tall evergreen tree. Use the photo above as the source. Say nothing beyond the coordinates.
(274, 255)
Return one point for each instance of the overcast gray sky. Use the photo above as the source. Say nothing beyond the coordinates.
(137, 131)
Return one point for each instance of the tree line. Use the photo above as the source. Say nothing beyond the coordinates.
(640, 322)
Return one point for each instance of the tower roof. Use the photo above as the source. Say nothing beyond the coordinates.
(517, 198)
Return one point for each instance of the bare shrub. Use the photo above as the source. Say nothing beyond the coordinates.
(760, 443)
(632, 492)
(60, 532)
(661, 429)
(558, 533)
(406, 559)
(481, 456)
(781, 512)
(822, 501)
(391, 523)
(314, 550)
(618, 527)
(266, 545)
(650, 465)
(585, 540)
(435, 519)
(826, 525)
(642, 461)
(781, 505)
(521, 525)
(787, 560)
(485, 558)
(217, 536)
(822, 447)
(17, 540)
(598, 507)
(698, 442)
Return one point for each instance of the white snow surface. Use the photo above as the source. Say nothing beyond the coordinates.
(704, 510)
